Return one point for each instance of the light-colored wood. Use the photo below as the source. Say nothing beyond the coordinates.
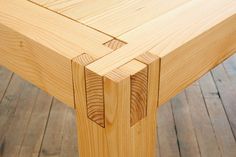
(89, 143)
(130, 140)
(77, 9)
(197, 57)
(95, 97)
(67, 37)
(129, 15)
(102, 15)
(116, 61)
(139, 87)
(138, 90)
(114, 44)
(40, 50)
(138, 96)
(37, 64)
(162, 31)
(168, 127)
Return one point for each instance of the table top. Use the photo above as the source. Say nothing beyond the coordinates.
(115, 32)
(158, 26)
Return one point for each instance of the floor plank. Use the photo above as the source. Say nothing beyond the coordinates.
(167, 133)
(185, 130)
(5, 77)
(8, 107)
(60, 136)
(18, 117)
(218, 117)
(32, 142)
(69, 142)
(204, 131)
(227, 91)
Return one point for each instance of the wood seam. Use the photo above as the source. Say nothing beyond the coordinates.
(70, 18)
(83, 66)
(114, 44)
(73, 88)
(159, 82)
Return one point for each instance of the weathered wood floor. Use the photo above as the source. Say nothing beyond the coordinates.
(199, 122)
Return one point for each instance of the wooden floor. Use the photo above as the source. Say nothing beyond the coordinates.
(199, 122)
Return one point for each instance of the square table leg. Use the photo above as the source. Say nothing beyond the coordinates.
(118, 119)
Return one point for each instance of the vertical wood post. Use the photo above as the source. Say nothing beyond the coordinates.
(116, 113)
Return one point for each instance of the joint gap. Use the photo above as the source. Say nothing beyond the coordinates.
(114, 44)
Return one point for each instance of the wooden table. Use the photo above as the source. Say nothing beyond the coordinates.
(115, 61)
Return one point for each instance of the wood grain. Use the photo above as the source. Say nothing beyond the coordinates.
(130, 137)
(138, 104)
(104, 15)
(117, 99)
(67, 37)
(155, 36)
(139, 90)
(148, 125)
(90, 134)
(114, 44)
(93, 87)
(116, 61)
(117, 102)
(219, 43)
(37, 64)
(94, 96)
(43, 48)
(169, 143)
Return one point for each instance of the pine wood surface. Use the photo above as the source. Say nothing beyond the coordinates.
(93, 27)
(117, 61)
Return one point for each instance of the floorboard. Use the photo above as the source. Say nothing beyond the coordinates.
(186, 135)
(5, 77)
(203, 127)
(34, 134)
(167, 137)
(217, 114)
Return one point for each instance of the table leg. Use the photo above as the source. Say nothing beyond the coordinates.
(117, 141)
(117, 129)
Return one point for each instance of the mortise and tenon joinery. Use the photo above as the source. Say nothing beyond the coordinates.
(115, 61)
